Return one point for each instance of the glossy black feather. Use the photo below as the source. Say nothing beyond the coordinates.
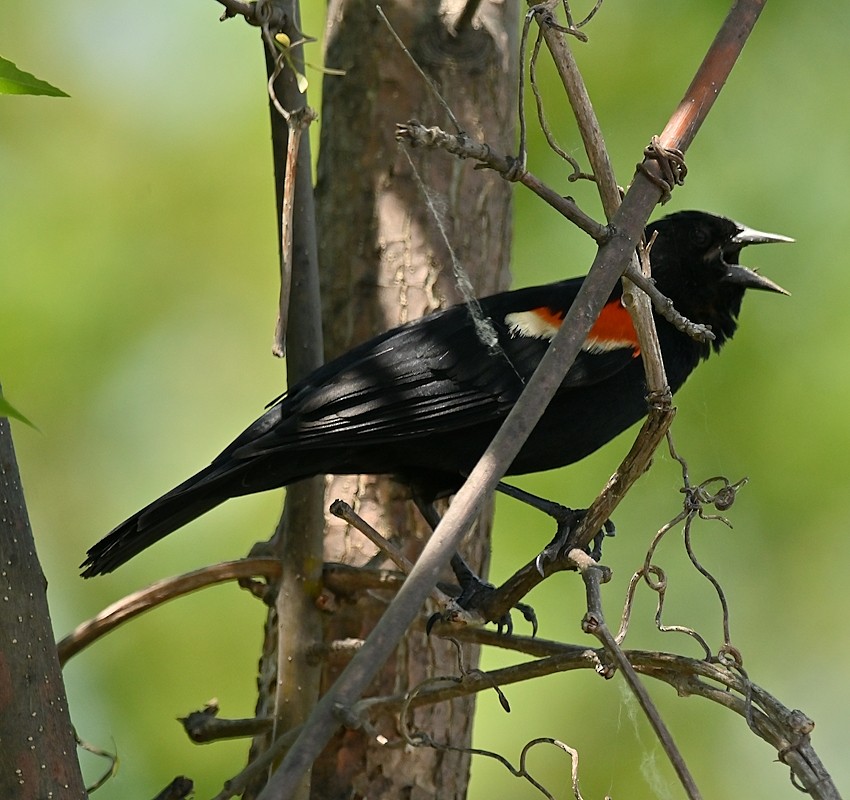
(423, 400)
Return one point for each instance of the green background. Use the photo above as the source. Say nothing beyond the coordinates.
(137, 294)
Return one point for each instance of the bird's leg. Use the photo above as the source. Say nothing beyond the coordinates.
(566, 519)
(474, 591)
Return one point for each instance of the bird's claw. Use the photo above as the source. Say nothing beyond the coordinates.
(474, 596)
(506, 623)
(568, 519)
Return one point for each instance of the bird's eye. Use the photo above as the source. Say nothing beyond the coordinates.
(700, 236)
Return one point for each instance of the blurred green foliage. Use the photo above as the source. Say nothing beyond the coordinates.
(137, 295)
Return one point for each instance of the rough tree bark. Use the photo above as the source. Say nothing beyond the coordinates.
(383, 261)
(38, 752)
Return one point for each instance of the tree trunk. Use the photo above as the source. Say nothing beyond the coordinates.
(38, 751)
(384, 261)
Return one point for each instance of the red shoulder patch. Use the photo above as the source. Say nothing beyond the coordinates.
(612, 330)
(538, 323)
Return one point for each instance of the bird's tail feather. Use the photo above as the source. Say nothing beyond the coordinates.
(192, 498)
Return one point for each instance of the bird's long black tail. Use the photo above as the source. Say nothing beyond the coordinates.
(181, 505)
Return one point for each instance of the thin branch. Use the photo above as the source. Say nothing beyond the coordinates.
(417, 135)
(341, 509)
(254, 14)
(236, 786)
(786, 730)
(588, 124)
(664, 306)
(204, 726)
(577, 173)
(775, 723)
(346, 580)
(337, 578)
(594, 623)
(158, 593)
(297, 123)
(288, 681)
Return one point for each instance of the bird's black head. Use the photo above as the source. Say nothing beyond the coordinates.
(695, 263)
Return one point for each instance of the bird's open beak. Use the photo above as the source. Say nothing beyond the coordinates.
(744, 276)
(747, 236)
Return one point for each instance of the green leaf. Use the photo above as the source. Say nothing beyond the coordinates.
(16, 81)
(8, 410)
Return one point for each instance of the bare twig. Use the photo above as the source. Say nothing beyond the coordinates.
(338, 578)
(577, 173)
(341, 509)
(345, 579)
(297, 122)
(204, 726)
(594, 623)
(661, 415)
(786, 730)
(462, 146)
(272, 17)
(459, 615)
(521, 161)
(588, 125)
(664, 306)
(158, 593)
(293, 117)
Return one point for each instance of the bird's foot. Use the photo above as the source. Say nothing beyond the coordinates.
(476, 596)
(458, 613)
(568, 519)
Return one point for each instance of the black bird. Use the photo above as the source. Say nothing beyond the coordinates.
(423, 401)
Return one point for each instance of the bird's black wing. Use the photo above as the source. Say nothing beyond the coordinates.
(432, 375)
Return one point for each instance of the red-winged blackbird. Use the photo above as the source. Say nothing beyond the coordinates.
(423, 401)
